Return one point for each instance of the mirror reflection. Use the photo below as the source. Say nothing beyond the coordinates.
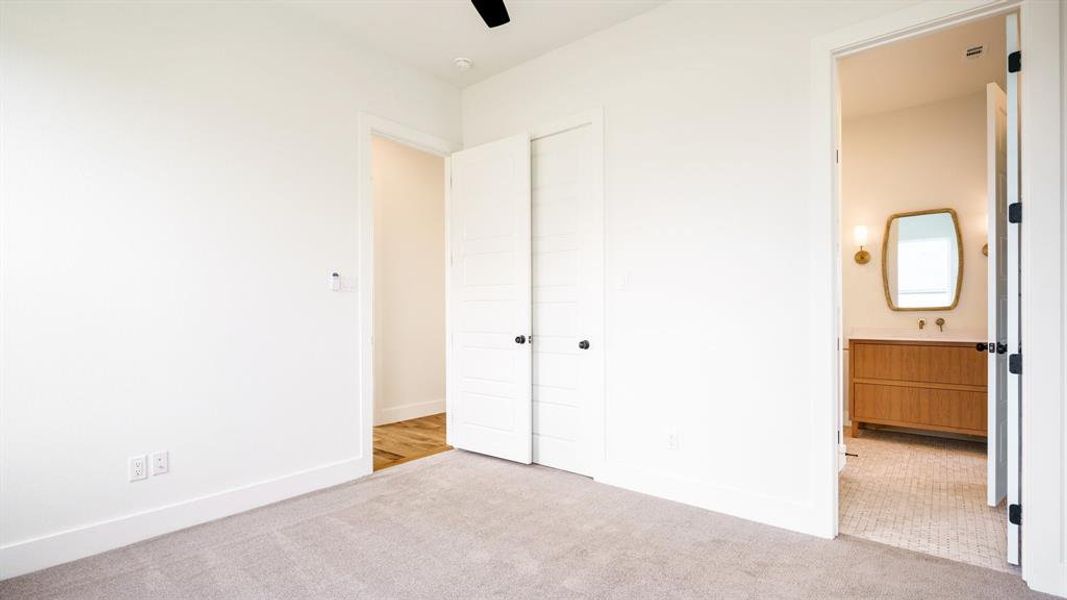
(922, 266)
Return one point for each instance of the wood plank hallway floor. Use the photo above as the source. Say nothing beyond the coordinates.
(404, 441)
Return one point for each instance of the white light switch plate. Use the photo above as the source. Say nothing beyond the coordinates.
(160, 462)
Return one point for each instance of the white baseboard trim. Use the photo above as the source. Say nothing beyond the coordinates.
(736, 503)
(415, 410)
(54, 549)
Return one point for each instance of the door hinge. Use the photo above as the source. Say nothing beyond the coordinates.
(1015, 62)
(1015, 212)
(1015, 514)
(1015, 364)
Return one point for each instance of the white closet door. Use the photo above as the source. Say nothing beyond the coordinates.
(489, 385)
(567, 300)
(1014, 343)
(997, 292)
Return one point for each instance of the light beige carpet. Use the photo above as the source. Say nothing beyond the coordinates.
(925, 494)
(458, 525)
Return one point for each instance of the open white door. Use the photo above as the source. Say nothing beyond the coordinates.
(997, 291)
(489, 383)
(1014, 425)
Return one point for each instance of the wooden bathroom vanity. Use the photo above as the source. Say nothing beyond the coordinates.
(919, 384)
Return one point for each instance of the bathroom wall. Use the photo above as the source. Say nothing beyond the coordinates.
(922, 157)
(409, 282)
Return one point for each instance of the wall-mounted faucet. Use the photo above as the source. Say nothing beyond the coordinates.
(940, 322)
(922, 324)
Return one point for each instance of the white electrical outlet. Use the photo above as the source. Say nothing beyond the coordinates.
(160, 462)
(138, 468)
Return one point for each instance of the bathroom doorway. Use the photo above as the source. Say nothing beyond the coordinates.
(930, 460)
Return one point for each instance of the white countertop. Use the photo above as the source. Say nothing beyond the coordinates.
(925, 335)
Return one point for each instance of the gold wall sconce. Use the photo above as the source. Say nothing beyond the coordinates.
(859, 235)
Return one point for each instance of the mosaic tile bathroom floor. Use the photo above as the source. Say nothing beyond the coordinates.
(924, 494)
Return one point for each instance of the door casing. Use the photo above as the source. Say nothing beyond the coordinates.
(1044, 484)
(368, 126)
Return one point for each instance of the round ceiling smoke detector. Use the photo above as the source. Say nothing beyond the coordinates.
(463, 64)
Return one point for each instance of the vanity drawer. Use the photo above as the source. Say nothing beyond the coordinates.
(933, 385)
(959, 411)
(920, 363)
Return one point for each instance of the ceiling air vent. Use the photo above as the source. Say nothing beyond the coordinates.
(974, 52)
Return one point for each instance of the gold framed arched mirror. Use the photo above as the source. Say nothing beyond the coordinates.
(922, 260)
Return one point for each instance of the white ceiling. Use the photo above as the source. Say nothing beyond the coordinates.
(429, 34)
(922, 70)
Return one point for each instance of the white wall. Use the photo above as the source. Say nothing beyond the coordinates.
(178, 181)
(223, 145)
(409, 287)
(918, 158)
(707, 185)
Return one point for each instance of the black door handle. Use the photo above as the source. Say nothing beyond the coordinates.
(1001, 348)
(521, 339)
(584, 344)
(981, 346)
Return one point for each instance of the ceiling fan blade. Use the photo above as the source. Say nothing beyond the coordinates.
(493, 12)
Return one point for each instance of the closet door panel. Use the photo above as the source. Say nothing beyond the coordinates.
(489, 383)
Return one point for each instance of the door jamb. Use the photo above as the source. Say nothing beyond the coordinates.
(1043, 424)
(368, 126)
(595, 424)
